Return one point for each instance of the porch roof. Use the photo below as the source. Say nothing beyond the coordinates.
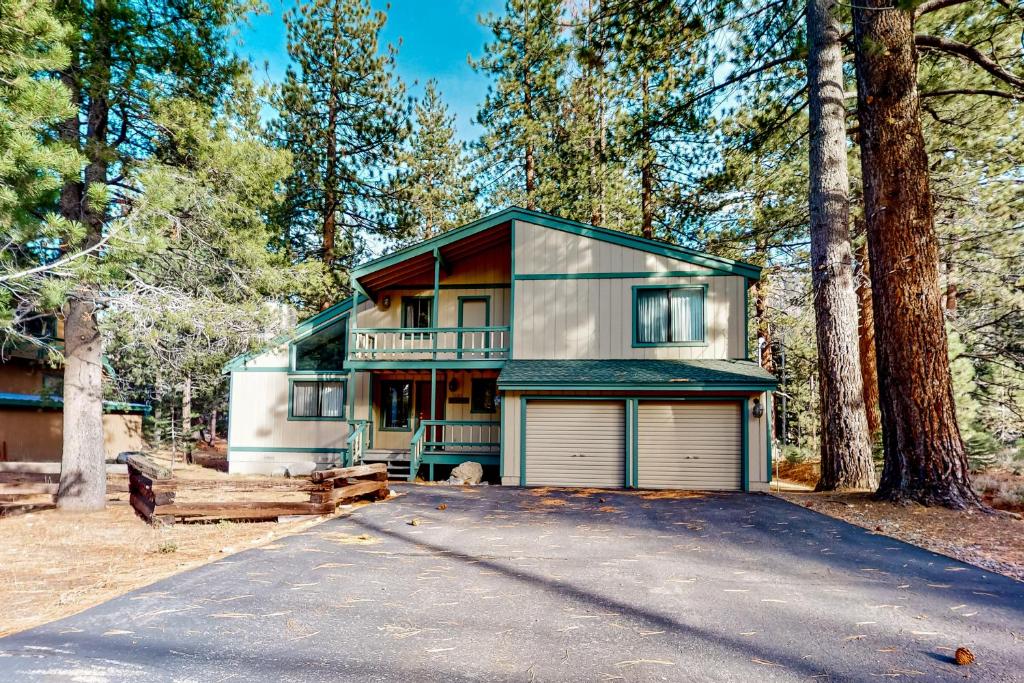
(677, 375)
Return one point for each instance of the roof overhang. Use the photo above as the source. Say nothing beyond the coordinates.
(737, 376)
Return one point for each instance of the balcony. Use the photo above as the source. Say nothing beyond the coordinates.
(478, 347)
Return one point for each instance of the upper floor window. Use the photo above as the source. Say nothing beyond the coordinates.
(668, 315)
(322, 351)
(416, 311)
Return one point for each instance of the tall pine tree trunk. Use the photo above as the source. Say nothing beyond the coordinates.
(83, 478)
(925, 460)
(83, 472)
(845, 445)
(866, 343)
(646, 166)
(763, 326)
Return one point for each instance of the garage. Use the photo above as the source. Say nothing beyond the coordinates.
(575, 443)
(689, 445)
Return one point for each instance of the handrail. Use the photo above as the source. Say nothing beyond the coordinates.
(416, 451)
(356, 442)
(498, 328)
(434, 343)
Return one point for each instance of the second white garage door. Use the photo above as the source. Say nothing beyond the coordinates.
(685, 445)
(575, 443)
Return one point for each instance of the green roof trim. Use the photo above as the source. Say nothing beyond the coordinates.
(676, 375)
(307, 326)
(717, 263)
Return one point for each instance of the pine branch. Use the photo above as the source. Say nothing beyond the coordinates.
(935, 5)
(971, 54)
(987, 92)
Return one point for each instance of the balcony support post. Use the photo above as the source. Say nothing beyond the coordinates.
(433, 411)
(436, 310)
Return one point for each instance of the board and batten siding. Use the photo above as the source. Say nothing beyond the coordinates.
(758, 472)
(592, 318)
(261, 438)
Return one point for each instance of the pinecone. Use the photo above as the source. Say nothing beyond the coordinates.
(963, 656)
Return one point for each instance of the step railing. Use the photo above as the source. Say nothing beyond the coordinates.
(356, 442)
(452, 437)
(429, 343)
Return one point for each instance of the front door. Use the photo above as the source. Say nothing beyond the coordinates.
(474, 312)
(423, 405)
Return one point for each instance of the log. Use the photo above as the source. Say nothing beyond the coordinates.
(53, 468)
(143, 507)
(148, 467)
(242, 510)
(350, 491)
(27, 489)
(348, 472)
(137, 480)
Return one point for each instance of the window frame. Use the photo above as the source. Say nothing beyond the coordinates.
(430, 308)
(293, 349)
(412, 404)
(472, 393)
(292, 417)
(703, 341)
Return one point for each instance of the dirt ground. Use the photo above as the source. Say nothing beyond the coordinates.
(56, 564)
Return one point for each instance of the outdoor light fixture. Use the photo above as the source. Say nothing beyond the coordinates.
(385, 301)
(758, 409)
(453, 385)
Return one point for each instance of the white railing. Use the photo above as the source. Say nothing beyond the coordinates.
(356, 442)
(429, 343)
(452, 440)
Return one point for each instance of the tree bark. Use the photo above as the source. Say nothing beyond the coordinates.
(925, 459)
(866, 343)
(83, 480)
(646, 163)
(186, 417)
(845, 444)
(764, 330)
(83, 472)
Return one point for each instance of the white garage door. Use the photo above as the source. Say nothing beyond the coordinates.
(575, 443)
(686, 445)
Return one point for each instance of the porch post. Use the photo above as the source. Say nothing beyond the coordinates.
(435, 308)
(353, 383)
(431, 433)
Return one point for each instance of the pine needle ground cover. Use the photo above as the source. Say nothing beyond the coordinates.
(53, 565)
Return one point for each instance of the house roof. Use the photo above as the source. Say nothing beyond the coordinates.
(57, 403)
(306, 327)
(677, 375)
(424, 251)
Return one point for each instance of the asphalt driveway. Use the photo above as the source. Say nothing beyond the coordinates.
(524, 585)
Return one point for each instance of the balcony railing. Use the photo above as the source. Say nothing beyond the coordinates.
(429, 343)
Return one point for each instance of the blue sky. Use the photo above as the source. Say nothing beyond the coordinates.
(436, 37)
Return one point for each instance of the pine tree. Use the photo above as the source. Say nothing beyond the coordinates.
(925, 458)
(343, 116)
(659, 64)
(434, 188)
(126, 57)
(846, 460)
(526, 59)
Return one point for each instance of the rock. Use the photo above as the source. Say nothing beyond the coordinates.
(469, 472)
(414, 521)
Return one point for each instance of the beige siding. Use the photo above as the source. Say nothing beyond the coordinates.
(689, 445)
(593, 318)
(575, 443)
(259, 419)
(546, 250)
(757, 432)
(38, 435)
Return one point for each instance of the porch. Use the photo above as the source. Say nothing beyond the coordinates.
(425, 422)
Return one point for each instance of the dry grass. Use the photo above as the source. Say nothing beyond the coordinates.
(992, 541)
(1000, 488)
(806, 473)
(55, 564)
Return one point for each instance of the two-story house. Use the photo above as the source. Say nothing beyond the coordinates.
(550, 351)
